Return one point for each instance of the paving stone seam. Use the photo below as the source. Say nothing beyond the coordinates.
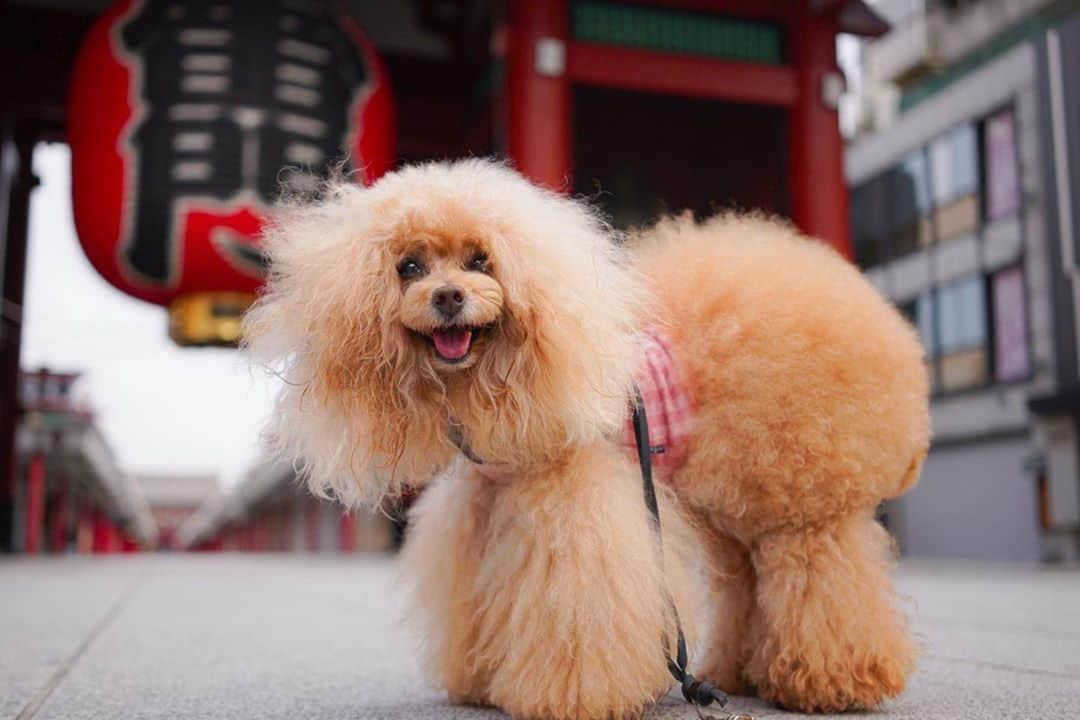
(988, 627)
(1003, 666)
(49, 687)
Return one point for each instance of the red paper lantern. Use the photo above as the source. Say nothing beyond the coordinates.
(186, 117)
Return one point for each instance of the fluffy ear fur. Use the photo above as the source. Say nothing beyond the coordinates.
(364, 410)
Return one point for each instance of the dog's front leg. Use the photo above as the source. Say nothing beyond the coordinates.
(441, 556)
(571, 595)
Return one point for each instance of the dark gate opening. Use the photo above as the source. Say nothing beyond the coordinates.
(641, 155)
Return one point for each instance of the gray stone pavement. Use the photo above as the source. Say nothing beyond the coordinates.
(231, 636)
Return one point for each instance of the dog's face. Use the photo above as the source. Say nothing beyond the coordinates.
(451, 299)
(446, 292)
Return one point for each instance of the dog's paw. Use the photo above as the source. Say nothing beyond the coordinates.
(472, 699)
(861, 684)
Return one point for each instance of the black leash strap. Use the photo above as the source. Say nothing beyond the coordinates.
(457, 437)
(696, 692)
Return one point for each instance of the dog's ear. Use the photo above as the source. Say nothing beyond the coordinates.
(350, 414)
(573, 303)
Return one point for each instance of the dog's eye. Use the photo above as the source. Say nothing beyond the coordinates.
(410, 268)
(478, 262)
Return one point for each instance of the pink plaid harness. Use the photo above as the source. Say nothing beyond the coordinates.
(668, 405)
(668, 408)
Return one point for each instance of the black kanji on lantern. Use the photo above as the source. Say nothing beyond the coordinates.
(229, 94)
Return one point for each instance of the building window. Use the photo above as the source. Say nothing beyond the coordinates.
(869, 227)
(1002, 169)
(962, 334)
(909, 197)
(954, 170)
(926, 321)
(954, 163)
(1012, 357)
(975, 330)
(932, 194)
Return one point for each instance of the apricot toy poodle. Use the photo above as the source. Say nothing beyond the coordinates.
(455, 328)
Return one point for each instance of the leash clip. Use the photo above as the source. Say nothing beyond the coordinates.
(701, 692)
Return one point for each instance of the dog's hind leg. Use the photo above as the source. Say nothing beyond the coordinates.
(730, 608)
(830, 635)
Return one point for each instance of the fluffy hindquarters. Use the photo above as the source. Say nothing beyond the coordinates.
(810, 388)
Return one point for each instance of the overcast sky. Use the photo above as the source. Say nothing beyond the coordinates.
(162, 408)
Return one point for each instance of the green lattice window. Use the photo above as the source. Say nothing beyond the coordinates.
(676, 32)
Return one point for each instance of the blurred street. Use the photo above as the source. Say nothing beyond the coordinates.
(261, 636)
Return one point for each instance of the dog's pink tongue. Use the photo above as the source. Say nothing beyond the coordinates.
(452, 343)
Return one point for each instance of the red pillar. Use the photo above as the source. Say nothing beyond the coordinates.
(348, 531)
(216, 544)
(101, 532)
(84, 528)
(58, 523)
(106, 537)
(279, 528)
(819, 195)
(265, 532)
(35, 503)
(538, 91)
(311, 525)
(287, 513)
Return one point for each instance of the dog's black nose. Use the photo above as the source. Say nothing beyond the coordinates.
(448, 300)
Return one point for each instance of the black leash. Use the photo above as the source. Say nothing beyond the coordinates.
(457, 437)
(696, 692)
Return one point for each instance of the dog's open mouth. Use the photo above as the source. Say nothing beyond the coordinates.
(452, 344)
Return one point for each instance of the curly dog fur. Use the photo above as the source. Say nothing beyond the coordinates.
(542, 590)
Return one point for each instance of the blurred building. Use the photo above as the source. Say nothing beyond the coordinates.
(173, 498)
(68, 493)
(271, 511)
(964, 212)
